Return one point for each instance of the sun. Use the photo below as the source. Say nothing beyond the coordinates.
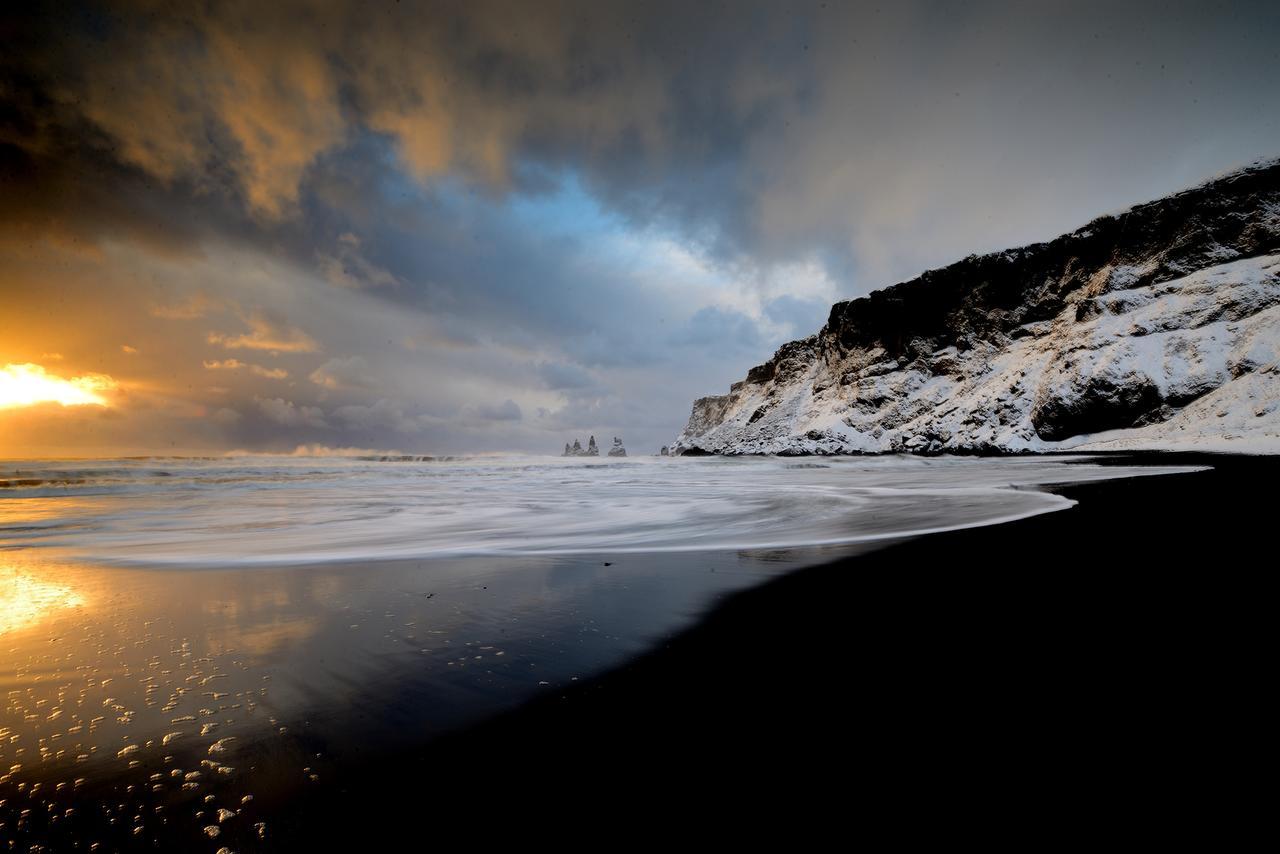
(29, 384)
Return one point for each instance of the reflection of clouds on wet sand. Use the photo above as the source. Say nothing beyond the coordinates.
(260, 638)
(257, 630)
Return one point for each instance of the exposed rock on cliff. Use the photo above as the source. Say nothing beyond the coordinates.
(1157, 327)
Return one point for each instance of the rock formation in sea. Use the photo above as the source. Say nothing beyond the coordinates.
(617, 450)
(578, 451)
(1158, 327)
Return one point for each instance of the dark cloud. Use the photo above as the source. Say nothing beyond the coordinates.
(754, 128)
(562, 375)
(508, 410)
(351, 372)
(382, 415)
(801, 316)
(727, 328)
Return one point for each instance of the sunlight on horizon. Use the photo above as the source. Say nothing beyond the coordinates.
(29, 384)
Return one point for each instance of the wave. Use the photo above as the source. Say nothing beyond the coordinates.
(289, 510)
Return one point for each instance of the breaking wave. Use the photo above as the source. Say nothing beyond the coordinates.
(288, 510)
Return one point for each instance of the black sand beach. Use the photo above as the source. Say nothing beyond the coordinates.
(1061, 673)
(1099, 667)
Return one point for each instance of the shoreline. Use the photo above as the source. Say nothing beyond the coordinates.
(1002, 665)
(1012, 663)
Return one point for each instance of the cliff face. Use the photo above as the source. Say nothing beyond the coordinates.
(1157, 327)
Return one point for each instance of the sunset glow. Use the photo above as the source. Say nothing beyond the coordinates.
(25, 600)
(29, 384)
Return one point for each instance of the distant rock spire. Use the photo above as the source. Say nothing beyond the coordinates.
(592, 450)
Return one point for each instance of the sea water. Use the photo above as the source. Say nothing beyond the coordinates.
(241, 511)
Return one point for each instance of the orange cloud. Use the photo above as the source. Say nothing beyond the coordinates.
(196, 306)
(264, 335)
(236, 365)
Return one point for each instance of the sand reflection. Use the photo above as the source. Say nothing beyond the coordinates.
(26, 600)
(156, 704)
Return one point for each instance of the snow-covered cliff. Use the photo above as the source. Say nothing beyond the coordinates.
(1155, 328)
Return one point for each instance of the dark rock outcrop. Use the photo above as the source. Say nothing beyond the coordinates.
(576, 450)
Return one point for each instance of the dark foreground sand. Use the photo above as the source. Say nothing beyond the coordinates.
(1096, 675)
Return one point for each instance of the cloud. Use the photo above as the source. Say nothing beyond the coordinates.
(192, 308)
(565, 376)
(799, 316)
(265, 335)
(382, 414)
(285, 413)
(346, 267)
(715, 326)
(318, 450)
(226, 417)
(770, 132)
(237, 365)
(351, 372)
(245, 101)
(508, 410)
(235, 83)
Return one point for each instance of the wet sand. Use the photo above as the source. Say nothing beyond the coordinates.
(1062, 668)
(1096, 673)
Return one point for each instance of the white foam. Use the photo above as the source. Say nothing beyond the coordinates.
(263, 511)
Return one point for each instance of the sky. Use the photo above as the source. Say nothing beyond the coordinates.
(448, 228)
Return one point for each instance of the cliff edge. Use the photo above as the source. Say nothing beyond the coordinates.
(1158, 327)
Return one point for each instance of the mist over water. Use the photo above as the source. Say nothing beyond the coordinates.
(245, 511)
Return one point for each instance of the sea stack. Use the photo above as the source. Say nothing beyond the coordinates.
(617, 450)
(576, 449)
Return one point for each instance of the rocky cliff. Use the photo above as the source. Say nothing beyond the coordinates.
(1157, 327)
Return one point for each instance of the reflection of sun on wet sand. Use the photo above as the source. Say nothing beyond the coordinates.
(25, 600)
